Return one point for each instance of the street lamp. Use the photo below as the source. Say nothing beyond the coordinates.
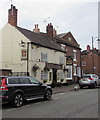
(93, 52)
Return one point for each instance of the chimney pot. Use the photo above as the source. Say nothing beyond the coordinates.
(88, 48)
(36, 29)
(49, 30)
(12, 15)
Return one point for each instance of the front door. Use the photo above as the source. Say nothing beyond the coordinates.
(55, 75)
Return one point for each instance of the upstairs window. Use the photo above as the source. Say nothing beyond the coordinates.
(61, 60)
(44, 57)
(74, 54)
(63, 47)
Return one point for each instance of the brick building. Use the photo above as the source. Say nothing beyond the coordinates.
(90, 61)
(73, 53)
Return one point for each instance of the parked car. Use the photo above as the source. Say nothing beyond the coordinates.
(16, 90)
(90, 80)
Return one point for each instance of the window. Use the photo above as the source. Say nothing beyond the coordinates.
(79, 71)
(75, 69)
(69, 72)
(44, 75)
(24, 54)
(44, 57)
(13, 81)
(74, 54)
(61, 60)
(61, 75)
(25, 81)
(34, 81)
(63, 47)
(35, 73)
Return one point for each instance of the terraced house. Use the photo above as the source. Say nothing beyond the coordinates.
(45, 56)
(90, 61)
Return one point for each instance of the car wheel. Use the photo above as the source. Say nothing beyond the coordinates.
(95, 85)
(48, 95)
(18, 100)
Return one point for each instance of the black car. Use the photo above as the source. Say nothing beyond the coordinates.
(16, 89)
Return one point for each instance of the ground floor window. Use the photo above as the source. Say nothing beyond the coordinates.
(35, 73)
(75, 70)
(79, 71)
(44, 75)
(69, 72)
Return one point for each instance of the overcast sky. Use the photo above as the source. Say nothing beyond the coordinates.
(79, 17)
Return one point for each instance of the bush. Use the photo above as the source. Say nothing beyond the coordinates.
(44, 81)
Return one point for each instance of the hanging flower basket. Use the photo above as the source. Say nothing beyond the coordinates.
(46, 69)
(35, 67)
(44, 81)
(62, 80)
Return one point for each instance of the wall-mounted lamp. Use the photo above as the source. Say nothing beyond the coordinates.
(22, 43)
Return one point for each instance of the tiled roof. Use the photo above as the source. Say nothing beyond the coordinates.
(40, 39)
(85, 52)
(61, 35)
(61, 40)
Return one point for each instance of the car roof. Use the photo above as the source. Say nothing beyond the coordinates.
(15, 76)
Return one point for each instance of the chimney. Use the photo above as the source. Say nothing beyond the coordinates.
(36, 29)
(88, 48)
(54, 32)
(49, 30)
(12, 15)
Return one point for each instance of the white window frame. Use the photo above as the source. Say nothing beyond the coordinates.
(44, 75)
(75, 55)
(75, 69)
(69, 67)
(44, 57)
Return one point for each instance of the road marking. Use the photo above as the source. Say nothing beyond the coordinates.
(61, 93)
(55, 98)
(11, 109)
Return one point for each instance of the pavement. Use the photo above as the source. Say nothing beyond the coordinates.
(64, 88)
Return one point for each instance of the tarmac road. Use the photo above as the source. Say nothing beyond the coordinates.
(70, 104)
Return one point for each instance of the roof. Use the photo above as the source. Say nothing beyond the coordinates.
(61, 35)
(85, 52)
(40, 39)
(63, 39)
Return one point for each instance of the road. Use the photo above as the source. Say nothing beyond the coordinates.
(70, 104)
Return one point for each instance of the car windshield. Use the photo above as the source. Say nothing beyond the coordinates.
(86, 76)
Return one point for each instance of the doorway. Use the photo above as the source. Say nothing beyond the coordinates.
(55, 75)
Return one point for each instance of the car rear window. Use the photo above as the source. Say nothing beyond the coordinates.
(13, 81)
(86, 76)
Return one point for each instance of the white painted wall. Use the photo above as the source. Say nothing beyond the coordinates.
(10, 38)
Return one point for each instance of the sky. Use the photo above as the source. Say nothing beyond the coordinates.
(80, 17)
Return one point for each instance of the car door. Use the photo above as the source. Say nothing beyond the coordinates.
(37, 87)
(26, 86)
